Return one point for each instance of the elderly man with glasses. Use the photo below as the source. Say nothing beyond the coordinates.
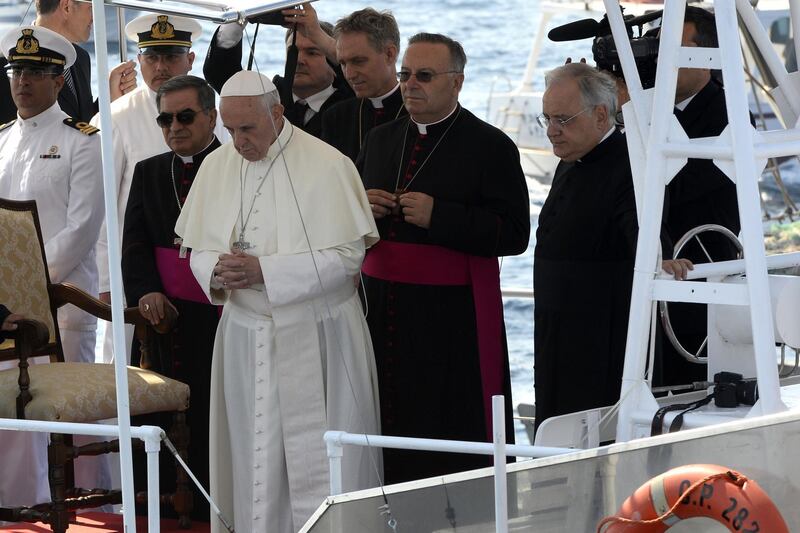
(449, 197)
(585, 247)
(155, 265)
(47, 156)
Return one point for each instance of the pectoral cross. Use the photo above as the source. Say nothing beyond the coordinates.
(179, 242)
(241, 245)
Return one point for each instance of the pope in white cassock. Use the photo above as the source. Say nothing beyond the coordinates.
(278, 223)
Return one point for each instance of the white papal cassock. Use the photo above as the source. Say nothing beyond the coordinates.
(284, 349)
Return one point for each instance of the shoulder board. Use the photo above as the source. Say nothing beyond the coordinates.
(7, 124)
(83, 127)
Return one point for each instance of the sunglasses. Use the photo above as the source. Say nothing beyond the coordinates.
(423, 76)
(184, 117)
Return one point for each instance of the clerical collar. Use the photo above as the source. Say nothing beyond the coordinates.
(607, 143)
(283, 139)
(377, 103)
(315, 101)
(423, 128)
(45, 118)
(190, 158)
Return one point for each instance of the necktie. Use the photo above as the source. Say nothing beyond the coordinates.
(299, 113)
(70, 82)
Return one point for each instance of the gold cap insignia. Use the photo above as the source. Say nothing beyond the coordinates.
(27, 44)
(53, 149)
(162, 29)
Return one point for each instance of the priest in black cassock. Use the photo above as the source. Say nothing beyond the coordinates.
(155, 267)
(585, 247)
(367, 45)
(317, 84)
(449, 197)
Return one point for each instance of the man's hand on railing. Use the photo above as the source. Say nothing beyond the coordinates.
(679, 268)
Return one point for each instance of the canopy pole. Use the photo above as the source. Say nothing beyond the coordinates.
(123, 39)
(115, 273)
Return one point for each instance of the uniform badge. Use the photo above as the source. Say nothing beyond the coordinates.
(52, 153)
(162, 29)
(27, 44)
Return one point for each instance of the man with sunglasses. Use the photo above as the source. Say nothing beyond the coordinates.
(72, 19)
(164, 43)
(49, 157)
(155, 265)
(449, 197)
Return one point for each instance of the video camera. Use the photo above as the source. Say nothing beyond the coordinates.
(604, 50)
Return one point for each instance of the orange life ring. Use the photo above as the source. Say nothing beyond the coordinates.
(692, 491)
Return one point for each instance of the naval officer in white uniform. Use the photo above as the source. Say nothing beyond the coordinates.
(292, 356)
(49, 157)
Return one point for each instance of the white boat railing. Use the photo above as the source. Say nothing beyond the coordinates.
(336, 440)
(150, 435)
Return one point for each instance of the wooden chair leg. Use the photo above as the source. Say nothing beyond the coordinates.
(57, 457)
(183, 499)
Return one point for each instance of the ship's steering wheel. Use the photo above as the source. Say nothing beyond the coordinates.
(663, 309)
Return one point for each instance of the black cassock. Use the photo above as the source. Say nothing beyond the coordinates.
(346, 124)
(185, 355)
(582, 274)
(222, 63)
(78, 105)
(425, 335)
(699, 194)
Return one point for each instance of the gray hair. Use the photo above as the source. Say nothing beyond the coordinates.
(380, 27)
(205, 94)
(597, 88)
(271, 99)
(458, 58)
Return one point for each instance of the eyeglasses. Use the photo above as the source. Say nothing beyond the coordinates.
(545, 120)
(35, 74)
(423, 76)
(184, 117)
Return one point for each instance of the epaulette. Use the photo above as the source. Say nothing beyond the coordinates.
(7, 124)
(83, 127)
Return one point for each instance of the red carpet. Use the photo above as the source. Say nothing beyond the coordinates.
(107, 523)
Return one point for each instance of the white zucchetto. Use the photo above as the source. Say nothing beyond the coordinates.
(247, 83)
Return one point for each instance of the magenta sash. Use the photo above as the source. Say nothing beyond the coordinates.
(425, 264)
(177, 277)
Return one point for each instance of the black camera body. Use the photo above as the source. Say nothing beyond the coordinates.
(604, 50)
(645, 53)
(731, 390)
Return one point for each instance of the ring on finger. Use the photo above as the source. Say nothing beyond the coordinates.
(146, 307)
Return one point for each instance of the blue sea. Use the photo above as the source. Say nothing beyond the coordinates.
(497, 37)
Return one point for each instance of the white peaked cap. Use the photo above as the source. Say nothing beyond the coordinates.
(247, 83)
(38, 46)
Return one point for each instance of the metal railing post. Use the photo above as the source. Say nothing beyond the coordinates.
(500, 484)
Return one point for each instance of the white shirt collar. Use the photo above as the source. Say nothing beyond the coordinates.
(423, 128)
(49, 116)
(315, 101)
(377, 103)
(682, 105)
